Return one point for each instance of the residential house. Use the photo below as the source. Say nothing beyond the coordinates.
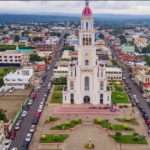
(53, 40)
(20, 79)
(45, 47)
(140, 43)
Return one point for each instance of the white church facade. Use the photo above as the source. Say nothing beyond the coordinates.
(86, 80)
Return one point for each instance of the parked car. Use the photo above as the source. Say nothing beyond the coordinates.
(45, 95)
(148, 122)
(28, 137)
(35, 121)
(144, 95)
(25, 145)
(20, 119)
(54, 59)
(41, 82)
(136, 101)
(14, 148)
(12, 134)
(142, 110)
(42, 102)
(30, 102)
(26, 108)
(17, 126)
(36, 90)
(24, 113)
(44, 99)
(34, 95)
(40, 109)
(47, 91)
(134, 96)
(145, 116)
(11, 89)
(44, 85)
(5, 89)
(32, 129)
(7, 145)
(37, 114)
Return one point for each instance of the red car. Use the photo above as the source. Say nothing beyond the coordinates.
(37, 114)
(12, 135)
(34, 95)
(148, 122)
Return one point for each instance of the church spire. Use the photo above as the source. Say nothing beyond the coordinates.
(86, 3)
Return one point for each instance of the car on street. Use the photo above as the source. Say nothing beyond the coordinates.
(38, 87)
(145, 116)
(11, 89)
(144, 95)
(34, 95)
(45, 95)
(37, 114)
(142, 110)
(44, 85)
(47, 91)
(148, 100)
(17, 126)
(36, 90)
(40, 109)
(25, 145)
(54, 59)
(7, 144)
(42, 102)
(134, 96)
(35, 121)
(28, 137)
(32, 129)
(41, 81)
(136, 100)
(44, 99)
(148, 122)
(26, 108)
(24, 113)
(14, 148)
(12, 135)
(30, 102)
(20, 119)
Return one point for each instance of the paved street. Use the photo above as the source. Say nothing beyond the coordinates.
(135, 90)
(27, 122)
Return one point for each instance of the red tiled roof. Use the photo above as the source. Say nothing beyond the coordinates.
(146, 85)
(41, 67)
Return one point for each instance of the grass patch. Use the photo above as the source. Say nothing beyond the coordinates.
(51, 119)
(128, 139)
(73, 123)
(111, 88)
(116, 99)
(58, 88)
(131, 121)
(56, 98)
(118, 88)
(105, 124)
(50, 138)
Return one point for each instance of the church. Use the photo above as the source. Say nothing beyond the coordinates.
(86, 80)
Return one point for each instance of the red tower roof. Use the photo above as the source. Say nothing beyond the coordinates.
(87, 11)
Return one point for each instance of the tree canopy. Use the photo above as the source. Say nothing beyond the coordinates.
(3, 115)
(34, 57)
(68, 48)
(101, 36)
(17, 38)
(146, 49)
(35, 39)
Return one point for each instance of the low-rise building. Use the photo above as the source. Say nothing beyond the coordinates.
(10, 58)
(20, 79)
(140, 43)
(127, 48)
(45, 47)
(53, 40)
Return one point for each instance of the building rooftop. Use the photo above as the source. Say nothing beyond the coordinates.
(103, 57)
(61, 69)
(25, 50)
(113, 69)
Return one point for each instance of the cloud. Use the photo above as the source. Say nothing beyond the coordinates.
(75, 7)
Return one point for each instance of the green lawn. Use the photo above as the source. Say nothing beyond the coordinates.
(66, 127)
(58, 88)
(131, 121)
(107, 125)
(50, 120)
(128, 139)
(118, 88)
(119, 100)
(50, 138)
(56, 98)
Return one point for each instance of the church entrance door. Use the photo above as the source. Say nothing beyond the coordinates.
(87, 99)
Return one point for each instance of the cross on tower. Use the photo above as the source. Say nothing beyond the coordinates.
(86, 3)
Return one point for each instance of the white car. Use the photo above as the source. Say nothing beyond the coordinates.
(42, 102)
(38, 87)
(148, 100)
(144, 95)
(14, 148)
(28, 137)
(134, 96)
(17, 126)
(40, 109)
(30, 102)
(7, 145)
(5, 90)
(24, 113)
(11, 89)
(32, 129)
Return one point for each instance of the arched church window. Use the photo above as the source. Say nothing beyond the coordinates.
(86, 83)
(71, 85)
(89, 41)
(86, 62)
(71, 73)
(101, 73)
(101, 85)
(86, 25)
(83, 41)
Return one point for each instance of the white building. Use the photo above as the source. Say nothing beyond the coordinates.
(2, 135)
(10, 57)
(53, 40)
(20, 79)
(87, 81)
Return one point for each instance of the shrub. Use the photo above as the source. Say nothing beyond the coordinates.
(56, 137)
(127, 118)
(135, 136)
(43, 137)
(76, 120)
(89, 146)
(58, 125)
(57, 96)
(67, 122)
(99, 120)
(118, 135)
(111, 126)
(120, 96)
(126, 126)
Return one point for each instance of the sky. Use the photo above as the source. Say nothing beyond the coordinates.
(75, 7)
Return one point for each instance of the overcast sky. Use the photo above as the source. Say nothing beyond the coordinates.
(75, 7)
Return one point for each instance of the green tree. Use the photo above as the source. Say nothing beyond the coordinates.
(17, 38)
(34, 57)
(118, 135)
(3, 115)
(101, 36)
(35, 39)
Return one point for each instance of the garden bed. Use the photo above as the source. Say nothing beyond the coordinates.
(58, 88)
(128, 139)
(111, 127)
(118, 97)
(51, 119)
(50, 138)
(56, 98)
(72, 124)
(130, 121)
